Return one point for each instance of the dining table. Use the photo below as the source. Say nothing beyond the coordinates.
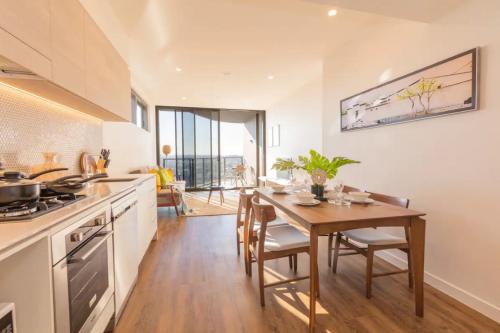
(325, 218)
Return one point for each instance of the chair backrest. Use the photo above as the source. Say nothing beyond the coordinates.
(244, 205)
(262, 213)
(348, 189)
(401, 202)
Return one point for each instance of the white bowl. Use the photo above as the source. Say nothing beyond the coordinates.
(278, 188)
(359, 196)
(305, 197)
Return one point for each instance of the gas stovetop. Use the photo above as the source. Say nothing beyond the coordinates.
(33, 210)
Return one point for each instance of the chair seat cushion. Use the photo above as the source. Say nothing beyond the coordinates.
(372, 236)
(284, 237)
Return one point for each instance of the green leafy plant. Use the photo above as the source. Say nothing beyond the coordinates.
(317, 161)
(284, 164)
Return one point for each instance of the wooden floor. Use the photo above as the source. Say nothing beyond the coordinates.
(191, 281)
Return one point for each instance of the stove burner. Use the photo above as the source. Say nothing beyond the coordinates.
(18, 210)
(30, 211)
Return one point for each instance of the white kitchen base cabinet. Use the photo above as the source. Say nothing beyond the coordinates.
(147, 223)
(124, 215)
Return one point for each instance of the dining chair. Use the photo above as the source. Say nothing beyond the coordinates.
(274, 243)
(242, 225)
(346, 189)
(374, 239)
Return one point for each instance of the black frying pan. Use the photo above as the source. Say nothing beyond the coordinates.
(69, 184)
(17, 188)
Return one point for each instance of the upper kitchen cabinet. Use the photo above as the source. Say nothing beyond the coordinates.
(107, 78)
(68, 45)
(53, 49)
(29, 21)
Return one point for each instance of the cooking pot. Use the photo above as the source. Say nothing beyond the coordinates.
(17, 188)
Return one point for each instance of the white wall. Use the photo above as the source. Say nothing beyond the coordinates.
(450, 166)
(300, 119)
(131, 147)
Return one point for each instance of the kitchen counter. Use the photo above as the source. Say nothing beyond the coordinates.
(15, 233)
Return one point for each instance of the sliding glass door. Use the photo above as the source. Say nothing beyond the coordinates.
(211, 147)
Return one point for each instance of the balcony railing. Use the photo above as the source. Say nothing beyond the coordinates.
(203, 172)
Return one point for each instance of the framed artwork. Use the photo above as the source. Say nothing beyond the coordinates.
(274, 136)
(446, 87)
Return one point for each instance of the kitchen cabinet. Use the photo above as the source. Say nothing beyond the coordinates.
(61, 43)
(147, 223)
(124, 215)
(106, 74)
(68, 45)
(29, 21)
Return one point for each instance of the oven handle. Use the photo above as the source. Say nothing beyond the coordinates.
(86, 255)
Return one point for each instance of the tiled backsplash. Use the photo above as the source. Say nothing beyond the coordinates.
(30, 125)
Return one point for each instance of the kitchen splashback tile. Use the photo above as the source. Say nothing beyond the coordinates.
(30, 125)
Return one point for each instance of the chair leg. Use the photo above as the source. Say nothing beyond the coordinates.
(408, 252)
(209, 196)
(317, 282)
(369, 271)
(295, 262)
(261, 281)
(330, 242)
(176, 210)
(290, 261)
(237, 242)
(222, 196)
(250, 265)
(410, 270)
(336, 252)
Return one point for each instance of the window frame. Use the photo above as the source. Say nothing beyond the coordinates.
(137, 101)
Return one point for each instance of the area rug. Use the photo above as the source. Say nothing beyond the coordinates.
(197, 204)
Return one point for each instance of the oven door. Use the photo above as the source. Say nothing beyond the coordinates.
(83, 284)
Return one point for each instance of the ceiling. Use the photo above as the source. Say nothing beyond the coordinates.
(227, 49)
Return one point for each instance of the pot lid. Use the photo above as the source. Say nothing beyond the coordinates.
(17, 182)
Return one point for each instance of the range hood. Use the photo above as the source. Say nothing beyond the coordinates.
(17, 76)
(11, 70)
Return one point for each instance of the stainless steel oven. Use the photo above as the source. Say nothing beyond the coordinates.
(83, 273)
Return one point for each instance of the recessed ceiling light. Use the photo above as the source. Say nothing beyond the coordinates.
(184, 98)
(332, 12)
(178, 69)
(270, 77)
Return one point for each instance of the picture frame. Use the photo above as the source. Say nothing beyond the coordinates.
(446, 87)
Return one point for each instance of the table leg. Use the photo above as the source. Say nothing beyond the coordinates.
(313, 280)
(417, 243)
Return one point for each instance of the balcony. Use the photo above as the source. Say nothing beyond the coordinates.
(203, 172)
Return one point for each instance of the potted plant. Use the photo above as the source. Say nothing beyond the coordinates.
(312, 164)
(285, 164)
(316, 161)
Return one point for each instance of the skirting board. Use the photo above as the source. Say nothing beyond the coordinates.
(474, 302)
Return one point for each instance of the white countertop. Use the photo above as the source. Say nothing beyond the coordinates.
(14, 233)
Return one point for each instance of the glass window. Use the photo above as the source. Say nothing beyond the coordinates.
(139, 112)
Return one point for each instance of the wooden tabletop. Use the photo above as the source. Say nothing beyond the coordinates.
(326, 213)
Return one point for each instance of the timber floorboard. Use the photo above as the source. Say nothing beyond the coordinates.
(191, 281)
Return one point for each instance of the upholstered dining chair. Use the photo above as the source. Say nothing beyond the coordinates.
(242, 225)
(366, 241)
(273, 243)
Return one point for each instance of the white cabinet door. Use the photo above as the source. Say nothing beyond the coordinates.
(68, 45)
(29, 21)
(147, 224)
(126, 250)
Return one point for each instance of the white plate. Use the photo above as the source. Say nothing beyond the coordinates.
(314, 203)
(364, 201)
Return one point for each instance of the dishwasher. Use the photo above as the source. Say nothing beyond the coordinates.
(124, 217)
